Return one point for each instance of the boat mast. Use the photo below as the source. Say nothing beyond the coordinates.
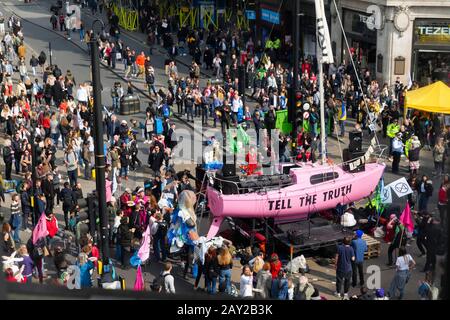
(324, 55)
(322, 113)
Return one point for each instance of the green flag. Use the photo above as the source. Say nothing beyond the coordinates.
(282, 122)
(306, 126)
(242, 136)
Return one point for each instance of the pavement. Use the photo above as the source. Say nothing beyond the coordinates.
(73, 55)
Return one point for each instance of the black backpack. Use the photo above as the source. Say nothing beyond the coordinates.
(162, 228)
(68, 199)
(150, 78)
(301, 294)
(158, 282)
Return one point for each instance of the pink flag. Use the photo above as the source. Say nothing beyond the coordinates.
(406, 218)
(108, 189)
(144, 250)
(40, 231)
(139, 283)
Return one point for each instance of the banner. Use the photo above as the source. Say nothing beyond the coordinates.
(361, 160)
(385, 193)
(323, 35)
(282, 122)
(400, 187)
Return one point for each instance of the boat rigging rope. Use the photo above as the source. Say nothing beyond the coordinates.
(354, 67)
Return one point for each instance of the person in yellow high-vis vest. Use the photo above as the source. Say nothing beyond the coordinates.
(391, 131)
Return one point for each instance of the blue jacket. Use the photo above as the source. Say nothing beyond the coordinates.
(359, 246)
(280, 289)
(85, 275)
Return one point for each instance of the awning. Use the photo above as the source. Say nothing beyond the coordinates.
(432, 98)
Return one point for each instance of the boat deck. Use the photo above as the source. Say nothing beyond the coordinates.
(322, 234)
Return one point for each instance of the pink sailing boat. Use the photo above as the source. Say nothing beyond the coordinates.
(306, 189)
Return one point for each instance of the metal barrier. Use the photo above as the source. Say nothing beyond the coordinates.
(128, 15)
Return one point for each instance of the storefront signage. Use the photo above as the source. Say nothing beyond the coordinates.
(375, 20)
(434, 30)
(428, 32)
(250, 14)
(270, 16)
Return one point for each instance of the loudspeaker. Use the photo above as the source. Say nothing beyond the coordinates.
(229, 170)
(348, 156)
(287, 168)
(199, 173)
(355, 141)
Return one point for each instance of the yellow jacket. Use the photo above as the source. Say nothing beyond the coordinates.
(21, 51)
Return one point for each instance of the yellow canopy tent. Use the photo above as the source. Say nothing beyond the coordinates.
(432, 98)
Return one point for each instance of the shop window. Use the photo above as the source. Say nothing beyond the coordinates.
(399, 66)
(323, 177)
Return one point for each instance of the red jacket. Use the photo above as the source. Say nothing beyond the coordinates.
(46, 123)
(442, 196)
(275, 268)
(95, 253)
(52, 227)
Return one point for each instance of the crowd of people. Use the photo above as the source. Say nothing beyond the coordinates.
(42, 116)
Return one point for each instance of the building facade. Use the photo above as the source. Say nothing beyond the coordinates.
(406, 39)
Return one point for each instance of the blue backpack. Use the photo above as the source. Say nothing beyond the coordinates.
(166, 110)
(240, 115)
(158, 125)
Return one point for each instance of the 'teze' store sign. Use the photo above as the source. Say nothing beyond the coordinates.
(441, 31)
(432, 32)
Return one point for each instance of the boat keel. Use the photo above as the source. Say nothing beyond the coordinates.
(217, 221)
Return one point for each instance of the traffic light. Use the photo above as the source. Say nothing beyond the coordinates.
(298, 111)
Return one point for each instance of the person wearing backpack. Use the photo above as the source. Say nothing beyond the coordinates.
(169, 280)
(305, 290)
(280, 286)
(159, 231)
(427, 290)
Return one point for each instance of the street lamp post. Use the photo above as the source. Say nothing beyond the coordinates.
(99, 147)
(35, 213)
(50, 53)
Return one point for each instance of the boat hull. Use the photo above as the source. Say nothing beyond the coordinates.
(300, 199)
